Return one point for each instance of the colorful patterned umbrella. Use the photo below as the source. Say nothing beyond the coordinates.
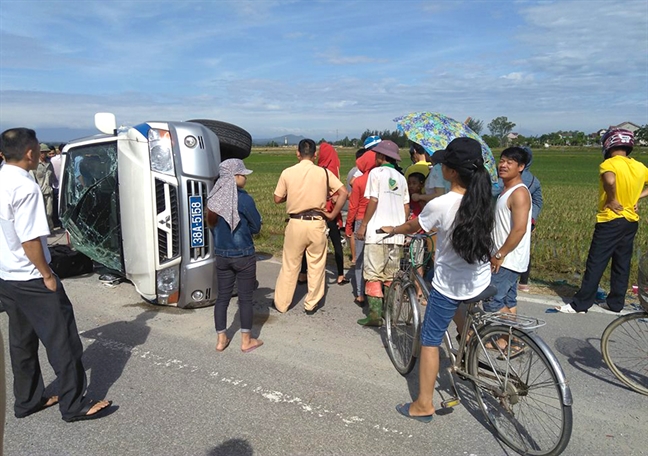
(434, 131)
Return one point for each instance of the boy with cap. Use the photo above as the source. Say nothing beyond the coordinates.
(388, 205)
(622, 183)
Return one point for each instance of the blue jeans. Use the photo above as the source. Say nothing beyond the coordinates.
(505, 281)
(438, 314)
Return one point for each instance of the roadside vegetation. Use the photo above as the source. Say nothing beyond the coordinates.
(569, 178)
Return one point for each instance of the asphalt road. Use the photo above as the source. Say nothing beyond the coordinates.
(320, 385)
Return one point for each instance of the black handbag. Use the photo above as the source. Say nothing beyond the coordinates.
(69, 263)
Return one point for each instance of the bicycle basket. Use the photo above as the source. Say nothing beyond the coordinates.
(643, 281)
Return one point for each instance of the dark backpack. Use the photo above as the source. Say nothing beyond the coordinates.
(69, 263)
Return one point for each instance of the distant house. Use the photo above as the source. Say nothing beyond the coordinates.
(627, 126)
(512, 136)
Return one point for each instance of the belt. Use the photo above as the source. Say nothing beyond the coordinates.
(306, 217)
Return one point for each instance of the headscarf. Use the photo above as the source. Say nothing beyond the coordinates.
(328, 158)
(223, 198)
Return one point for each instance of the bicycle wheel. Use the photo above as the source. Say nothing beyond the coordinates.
(624, 345)
(403, 326)
(520, 396)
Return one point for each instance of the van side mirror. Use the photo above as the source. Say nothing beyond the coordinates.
(106, 122)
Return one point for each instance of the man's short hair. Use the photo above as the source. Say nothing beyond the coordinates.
(516, 154)
(307, 147)
(15, 142)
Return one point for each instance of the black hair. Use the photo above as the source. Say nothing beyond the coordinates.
(473, 225)
(15, 142)
(517, 154)
(360, 153)
(608, 153)
(418, 176)
(418, 149)
(61, 146)
(307, 147)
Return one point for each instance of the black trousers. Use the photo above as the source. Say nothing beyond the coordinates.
(38, 314)
(611, 240)
(228, 270)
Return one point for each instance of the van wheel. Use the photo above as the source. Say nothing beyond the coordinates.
(234, 141)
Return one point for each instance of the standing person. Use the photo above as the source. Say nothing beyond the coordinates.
(357, 208)
(33, 296)
(234, 218)
(349, 186)
(45, 177)
(328, 158)
(622, 183)
(305, 189)
(535, 189)
(55, 160)
(512, 233)
(463, 219)
(388, 205)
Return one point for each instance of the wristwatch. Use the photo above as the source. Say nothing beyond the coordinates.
(498, 256)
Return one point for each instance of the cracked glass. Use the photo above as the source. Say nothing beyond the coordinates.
(90, 203)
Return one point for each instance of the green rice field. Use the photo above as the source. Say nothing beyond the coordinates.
(569, 178)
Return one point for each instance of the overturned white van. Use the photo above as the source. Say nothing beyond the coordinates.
(133, 199)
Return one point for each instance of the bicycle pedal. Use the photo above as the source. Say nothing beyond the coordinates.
(451, 402)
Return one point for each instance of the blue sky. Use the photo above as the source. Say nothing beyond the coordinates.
(323, 69)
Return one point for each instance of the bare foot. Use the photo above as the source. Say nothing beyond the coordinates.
(416, 410)
(223, 343)
(53, 400)
(97, 407)
(251, 344)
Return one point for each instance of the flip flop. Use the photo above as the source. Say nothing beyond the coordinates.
(403, 409)
(343, 281)
(83, 416)
(226, 345)
(41, 406)
(252, 348)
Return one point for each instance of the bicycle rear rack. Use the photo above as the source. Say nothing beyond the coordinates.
(513, 320)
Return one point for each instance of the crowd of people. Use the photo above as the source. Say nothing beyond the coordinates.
(483, 237)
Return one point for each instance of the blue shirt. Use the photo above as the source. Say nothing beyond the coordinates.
(238, 243)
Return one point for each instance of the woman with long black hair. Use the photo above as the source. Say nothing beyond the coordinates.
(464, 221)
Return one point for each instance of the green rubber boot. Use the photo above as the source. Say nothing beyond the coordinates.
(375, 312)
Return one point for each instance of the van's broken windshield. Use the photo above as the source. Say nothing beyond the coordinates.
(90, 203)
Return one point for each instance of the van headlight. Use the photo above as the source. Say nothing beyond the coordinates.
(168, 285)
(161, 151)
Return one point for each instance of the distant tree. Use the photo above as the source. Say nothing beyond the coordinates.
(500, 127)
(272, 144)
(642, 134)
(475, 125)
(491, 141)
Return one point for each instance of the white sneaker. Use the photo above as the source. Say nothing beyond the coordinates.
(566, 308)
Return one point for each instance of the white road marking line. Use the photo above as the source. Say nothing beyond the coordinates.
(276, 397)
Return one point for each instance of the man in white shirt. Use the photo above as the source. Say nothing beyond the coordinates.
(512, 233)
(388, 206)
(33, 296)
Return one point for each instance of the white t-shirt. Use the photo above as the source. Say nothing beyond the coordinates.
(22, 218)
(390, 187)
(453, 276)
(518, 259)
(435, 180)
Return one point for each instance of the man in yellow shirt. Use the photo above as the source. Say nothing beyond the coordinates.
(622, 182)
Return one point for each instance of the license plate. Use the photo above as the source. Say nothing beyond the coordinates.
(196, 218)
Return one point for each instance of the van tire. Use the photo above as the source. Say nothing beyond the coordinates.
(234, 141)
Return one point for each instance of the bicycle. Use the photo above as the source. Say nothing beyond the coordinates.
(524, 395)
(624, 343)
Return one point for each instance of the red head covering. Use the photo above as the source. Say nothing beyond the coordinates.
(328, 158)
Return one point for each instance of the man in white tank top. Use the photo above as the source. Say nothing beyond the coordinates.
(512, 233)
